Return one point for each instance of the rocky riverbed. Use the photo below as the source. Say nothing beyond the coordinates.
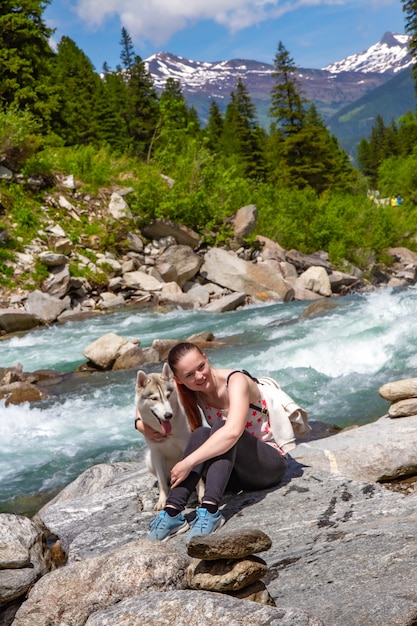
(166, 264)
(342, 546)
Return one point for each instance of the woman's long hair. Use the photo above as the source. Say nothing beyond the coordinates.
(187, 396)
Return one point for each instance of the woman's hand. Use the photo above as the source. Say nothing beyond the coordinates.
(180, 472)
(148, 432)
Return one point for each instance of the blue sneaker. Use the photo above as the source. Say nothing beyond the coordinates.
(163, 527)
(205, 523)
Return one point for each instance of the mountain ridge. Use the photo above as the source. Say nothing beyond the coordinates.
(332, 88)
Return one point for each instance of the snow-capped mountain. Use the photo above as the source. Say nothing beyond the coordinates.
(390, 55)
(332, 89)
(197, 75)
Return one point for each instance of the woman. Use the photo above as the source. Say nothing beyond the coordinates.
(237, 449)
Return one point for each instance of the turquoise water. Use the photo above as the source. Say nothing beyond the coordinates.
(333, 365)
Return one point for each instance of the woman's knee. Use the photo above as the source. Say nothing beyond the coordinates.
(198, 437)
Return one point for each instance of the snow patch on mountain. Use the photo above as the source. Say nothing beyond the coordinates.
(390, 55)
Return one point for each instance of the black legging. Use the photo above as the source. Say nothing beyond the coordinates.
(250, 464)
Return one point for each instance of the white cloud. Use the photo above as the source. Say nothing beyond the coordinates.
(156, 21)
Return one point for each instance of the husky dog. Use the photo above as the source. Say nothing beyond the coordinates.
(158, 404)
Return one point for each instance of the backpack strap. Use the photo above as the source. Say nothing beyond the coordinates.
(240, 372)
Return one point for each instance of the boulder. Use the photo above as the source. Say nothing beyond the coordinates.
(329, 533)
(226, 303)
(24, 557)
(141, 280)
(135, 243)
(118, 207)
(244, 222)
(70, 594)
(303, 261)
(399, 389)
(316, 279)
(271, 250)
(229, 545)
(44, 306)
(19, 392)
(58, 281)
(225, 574)
(14, 320)
(403, 408)
(195, 608)
(185, 261)
(385, 450)
(183, 235)
(52, 259)
(104, 351)
(228, 270)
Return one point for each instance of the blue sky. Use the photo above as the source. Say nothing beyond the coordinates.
(315, 32)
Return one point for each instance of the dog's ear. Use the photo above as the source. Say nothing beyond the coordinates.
(141, 379)
(167, 372)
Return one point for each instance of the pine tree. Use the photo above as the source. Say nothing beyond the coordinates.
(127, 55)
(410, 10)
(241, 133)
(214, 128)
(77, 85)
(25, 58)
(383, 143)
(287, 102)
(109, 119)
(140, 107)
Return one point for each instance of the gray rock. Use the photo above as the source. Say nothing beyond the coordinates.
(228, 270)
(58, 281)
(44, 306)
(52, 259)
(343, 550)
(245, 222)
(316, 279)
(5, 173)
(256, 592)
(70, 594)
(194, 608)
(225, 574)
(118, 207)
(382, 450)
(104, 351)
(226, 303)
(135, 242)
(141, 280)
(14, 320)
(403, 408)
(229, 545)
(399, 389)
(23, 556)
(303, 261)
(159, 228)
(185, 261)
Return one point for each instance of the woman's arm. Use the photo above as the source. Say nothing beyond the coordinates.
(225, 438)
(147, 431)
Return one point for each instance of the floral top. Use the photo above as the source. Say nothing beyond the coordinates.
(257, 423)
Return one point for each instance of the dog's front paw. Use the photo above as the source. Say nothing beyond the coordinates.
(160, 504)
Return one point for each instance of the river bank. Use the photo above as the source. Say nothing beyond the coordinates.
(342, 550)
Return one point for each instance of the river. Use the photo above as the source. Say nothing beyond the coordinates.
(332, 364)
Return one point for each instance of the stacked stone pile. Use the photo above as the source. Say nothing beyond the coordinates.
(225, 563)
(403, 397)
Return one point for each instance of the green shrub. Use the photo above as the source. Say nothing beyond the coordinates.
(19, 138)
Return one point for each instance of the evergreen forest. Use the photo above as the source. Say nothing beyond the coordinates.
(58, 114)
